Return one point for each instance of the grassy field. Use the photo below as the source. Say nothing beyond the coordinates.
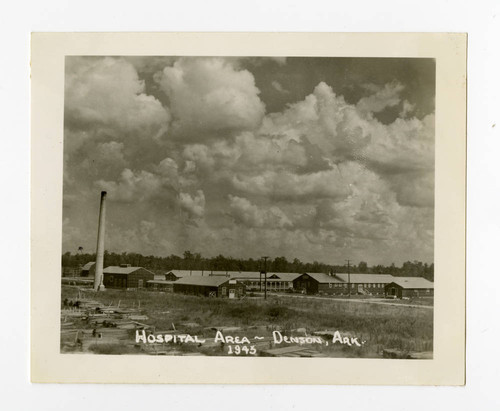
(381, 326)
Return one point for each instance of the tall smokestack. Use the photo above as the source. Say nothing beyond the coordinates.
(99, 262)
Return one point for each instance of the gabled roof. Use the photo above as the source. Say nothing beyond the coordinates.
(121, 270)
(322, 278)
(228, 273)
(240, 275)
(255, 275)
(88, 266)
(197, 273)
(413, 282)
(184, 273)
(358, 278)
(160, 282)
(287, 276)
(210, 281)
(243, 275)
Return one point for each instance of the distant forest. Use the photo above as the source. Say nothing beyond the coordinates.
(195, 261)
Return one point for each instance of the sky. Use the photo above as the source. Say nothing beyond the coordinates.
(320, 159)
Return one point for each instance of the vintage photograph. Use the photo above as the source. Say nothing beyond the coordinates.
(248, 206)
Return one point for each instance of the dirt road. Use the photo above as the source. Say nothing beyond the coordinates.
(355, 300)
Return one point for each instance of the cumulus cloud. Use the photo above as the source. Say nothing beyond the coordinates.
(277, 86)
(420, 193)
(209, 95)
(407, 108)
(139, 186)
(357, 218)
(142, 236)
(286, 185)
(131, 186)
(194, 205)
(111, 123)
(201, 166)
(243, 211)
(107, 92)
(387, 96)
(403, 146)
(400, 151)
(336, 127)
(111, 150)
(248, 152)
(169, 170)
(403, 153)
(95, 160)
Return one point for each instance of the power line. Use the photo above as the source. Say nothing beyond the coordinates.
(349, 276)
(265, 277)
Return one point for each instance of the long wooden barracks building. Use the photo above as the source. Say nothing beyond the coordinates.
(253, 280)
(370, 284)
(210, 286)
(339, 284)
(402, 287)
(126, 276)
(230, 284)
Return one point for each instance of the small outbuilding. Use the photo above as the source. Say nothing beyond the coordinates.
(88, 270)
(125, 276)
(172, 276)
(314, 283)
(211, 286)
(402, 287)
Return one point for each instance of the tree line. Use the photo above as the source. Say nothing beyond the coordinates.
(195, 261)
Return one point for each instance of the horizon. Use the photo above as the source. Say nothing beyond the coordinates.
(206, 259)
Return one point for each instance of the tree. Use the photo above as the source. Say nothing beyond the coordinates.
(363, 267)
(195, 261)
(280, 265)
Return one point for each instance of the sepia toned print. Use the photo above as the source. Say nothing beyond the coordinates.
(295, 216)
(248, 206)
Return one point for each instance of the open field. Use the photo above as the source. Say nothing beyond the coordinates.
(424, 302)
(380, 327)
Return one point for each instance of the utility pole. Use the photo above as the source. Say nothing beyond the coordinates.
(265, 276)
(349, 276)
